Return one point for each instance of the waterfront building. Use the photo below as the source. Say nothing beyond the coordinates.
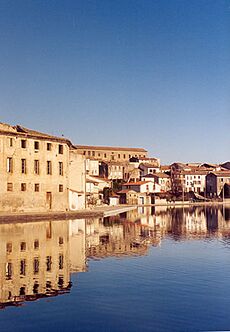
(34, 170)
(162, 181)
(77, 181)
(215, 182)
(191, 177)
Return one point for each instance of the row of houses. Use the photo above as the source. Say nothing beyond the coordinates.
(41, 172)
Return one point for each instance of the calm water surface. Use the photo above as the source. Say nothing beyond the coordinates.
(146, 270)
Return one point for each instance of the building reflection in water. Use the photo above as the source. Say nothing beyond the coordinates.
(37, 258)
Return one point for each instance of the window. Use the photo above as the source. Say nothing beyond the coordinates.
(48, 263)
(60, 168)
(124, 156)
(10, 140)
(60, 282)
(61, 261)
(36, 244)
(104, 155)
(23, 267)
(23, 246)
(49, 146)
(99, 154)
(9, 270)
(49, 167)
(89, 153)
(23, 163)
(36, 145)
(36, 166)
(23, 143)
(22, 291)
(93, 153)
(36, 265)
(23, 186)
(61, 240)
(119, 156)
(36, 287)
(36, 187)
(60, 149)
(9, 165)
(9, 247)
(9, 186)
(48, 285)
(60, 188)
(84, 153)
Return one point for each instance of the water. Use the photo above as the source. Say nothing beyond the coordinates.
(146, 270)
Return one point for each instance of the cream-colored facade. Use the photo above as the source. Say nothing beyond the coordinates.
(34, 170)
(34, 260)
(77, 181)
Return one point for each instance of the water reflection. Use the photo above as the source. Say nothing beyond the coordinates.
(37, 258)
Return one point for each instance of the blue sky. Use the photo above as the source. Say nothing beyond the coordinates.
(152, 74)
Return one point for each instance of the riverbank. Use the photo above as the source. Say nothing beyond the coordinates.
(104, 211)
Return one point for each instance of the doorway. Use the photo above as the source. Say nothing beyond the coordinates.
(49, 200)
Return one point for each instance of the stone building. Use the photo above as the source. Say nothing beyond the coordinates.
(109, 153)
(215, 182)
(34, 170)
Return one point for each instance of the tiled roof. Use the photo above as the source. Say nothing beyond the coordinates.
(222, 174)
(138, 183)
(148, 165)
(22, 131)
(161, 175)
(112, 148)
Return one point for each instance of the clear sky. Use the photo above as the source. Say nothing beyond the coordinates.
(142, 73)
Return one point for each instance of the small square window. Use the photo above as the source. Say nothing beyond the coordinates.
(9, 186)
(60, 149)
(36, 187)
(36, 145)
(60, 188)
(23, 143)
(23, 186)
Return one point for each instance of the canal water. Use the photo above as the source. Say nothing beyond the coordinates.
(151, 269)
